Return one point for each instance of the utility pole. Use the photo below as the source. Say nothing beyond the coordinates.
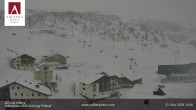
(142, 45)
(90, 38)
(131, 59)
(72, 30)
(90, 35)
(125, 38)
(113, 41)
(151, 47)
(125, 43)
(84, 43)
(104, 32)
(175, 55)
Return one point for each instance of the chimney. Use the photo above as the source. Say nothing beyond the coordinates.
(37, 86)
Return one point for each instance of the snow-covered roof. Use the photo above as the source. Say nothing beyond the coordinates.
(183, 74)
(142, 92)
(12, 56)
(7, 82)
(54, 55)
(44, 63)
(19, 55)
(36, 69)
(147, 89)
(114, 77)
(54, 80)
(52, 63)
(177, 69)
(30, 84)
(125, 73)
(90, 78)
(131, 77)
(38, 81)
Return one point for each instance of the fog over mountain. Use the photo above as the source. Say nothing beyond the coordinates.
(182, 11)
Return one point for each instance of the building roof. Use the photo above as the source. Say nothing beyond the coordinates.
(36, 69)
(191, 75)
(55, 55)
(90, 78)
(177, 69)
(128, 77)
(24, 55)
(29, 84)
(44, 64)
(125, 80)
(114, 77)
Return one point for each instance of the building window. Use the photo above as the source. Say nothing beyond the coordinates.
(12, 87)
(45, 68)
(32, 94)
(83, 84)
(83, 88)
(21, 94)
(15, 94)
(94, 95)
(112, 87)
(39, 94)
(94, 87)
(18, 87)
(102, 93)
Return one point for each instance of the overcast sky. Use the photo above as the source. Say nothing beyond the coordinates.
(184, 11)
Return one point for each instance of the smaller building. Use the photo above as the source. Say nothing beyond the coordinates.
(182, 77)
(125, 82)
(56, 61)
(102, 85)
(23, 89)
(95, 86)
(178, 73)
(159, 92)
(23, 62)
(43, 75)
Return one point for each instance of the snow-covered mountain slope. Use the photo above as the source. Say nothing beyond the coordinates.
(94, 43)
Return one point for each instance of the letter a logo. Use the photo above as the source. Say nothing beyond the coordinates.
(14, 12)
(14, 8)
